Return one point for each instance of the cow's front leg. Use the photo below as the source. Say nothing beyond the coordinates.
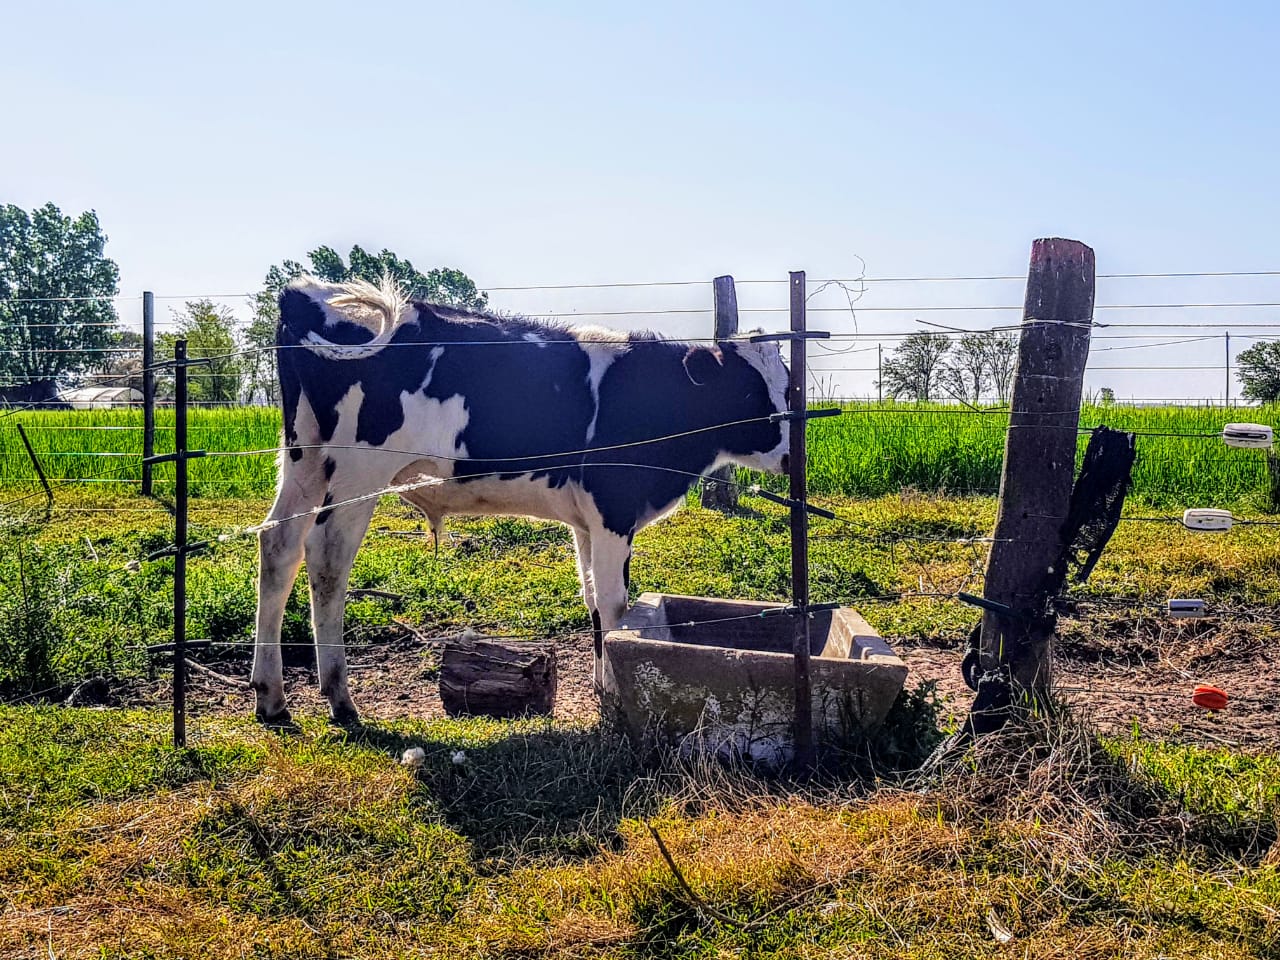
(582, 553)
(610, 576)
(331, 549)
(279, 556)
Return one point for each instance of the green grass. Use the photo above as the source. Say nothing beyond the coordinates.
(320, 843)
(71, 604)
(874, 450)
(877, 449)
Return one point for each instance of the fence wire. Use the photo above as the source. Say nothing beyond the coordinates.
(86, 458)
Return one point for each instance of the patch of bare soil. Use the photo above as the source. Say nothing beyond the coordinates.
(1128, 671)
(388, 681)
(1117, 673)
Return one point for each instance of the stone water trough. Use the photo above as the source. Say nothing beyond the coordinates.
(671, 672)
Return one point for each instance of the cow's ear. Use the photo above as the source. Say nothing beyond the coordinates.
(702, 364)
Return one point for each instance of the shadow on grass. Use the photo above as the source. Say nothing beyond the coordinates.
(532, 790)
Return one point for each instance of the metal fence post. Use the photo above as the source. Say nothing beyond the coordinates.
(180, 546)
(798, 493)
(148, 388)
(181, 549)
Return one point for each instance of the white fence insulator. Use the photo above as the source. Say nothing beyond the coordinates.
(1187, 608)
(1255, 436)
(1206, 518)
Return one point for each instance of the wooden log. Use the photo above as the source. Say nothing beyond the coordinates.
(497, 678)
(718, 491)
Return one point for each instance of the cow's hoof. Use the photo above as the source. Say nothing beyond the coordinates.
(280, 718)
(344, 715)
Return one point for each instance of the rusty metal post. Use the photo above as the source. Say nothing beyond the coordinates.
(148, 388)
(798, 494)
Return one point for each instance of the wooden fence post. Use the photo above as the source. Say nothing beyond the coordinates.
(718, 491)
(1039, 471)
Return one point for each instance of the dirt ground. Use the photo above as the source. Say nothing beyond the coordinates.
(1130, 672)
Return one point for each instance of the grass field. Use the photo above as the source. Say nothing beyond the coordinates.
(525, 839)
(871, 451)
(71, 604)
(1047, 841)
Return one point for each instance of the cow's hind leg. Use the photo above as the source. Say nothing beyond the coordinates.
(331, 549)
(280, 548)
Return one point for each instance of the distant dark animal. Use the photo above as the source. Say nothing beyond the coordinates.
(470, 413)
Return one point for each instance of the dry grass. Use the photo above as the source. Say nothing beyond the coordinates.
(325, 846)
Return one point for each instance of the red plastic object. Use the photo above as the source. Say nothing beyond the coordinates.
(1211, 698)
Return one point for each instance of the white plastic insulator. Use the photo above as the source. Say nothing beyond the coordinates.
(1206, 518)
(1187, 608)
(1255, 436)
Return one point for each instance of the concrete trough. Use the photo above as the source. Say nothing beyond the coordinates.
(685, 670)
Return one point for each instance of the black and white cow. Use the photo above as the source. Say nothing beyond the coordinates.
(470, 413)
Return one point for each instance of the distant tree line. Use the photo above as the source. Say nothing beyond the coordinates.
(935, 367)
(59, 326)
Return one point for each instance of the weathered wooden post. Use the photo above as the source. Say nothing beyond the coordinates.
(1273, 474)
(718, 491)
(1035, 486)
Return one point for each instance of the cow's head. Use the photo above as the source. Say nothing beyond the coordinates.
(753, 380)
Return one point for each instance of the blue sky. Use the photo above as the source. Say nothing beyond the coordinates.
(578, 143)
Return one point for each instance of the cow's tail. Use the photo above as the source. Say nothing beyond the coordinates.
(340, 321)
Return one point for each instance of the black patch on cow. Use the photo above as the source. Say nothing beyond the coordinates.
(295, 454)
(626, 572)
(597, 633)
(329, 467)
(647, 393)
(529, 404)
(323, 515)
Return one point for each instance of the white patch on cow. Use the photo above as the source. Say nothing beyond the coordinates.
(766, 358)
(535, 338)
(527, 495)
(588, 334)
(602, 347)
(435, 354)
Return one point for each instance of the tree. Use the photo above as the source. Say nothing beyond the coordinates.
(122, 367)
(210, 334)
(965, 373)
(1259, 371)
(443, 285)
(56, 285)
(914, 369)
(1002, 360)
(258, 343)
